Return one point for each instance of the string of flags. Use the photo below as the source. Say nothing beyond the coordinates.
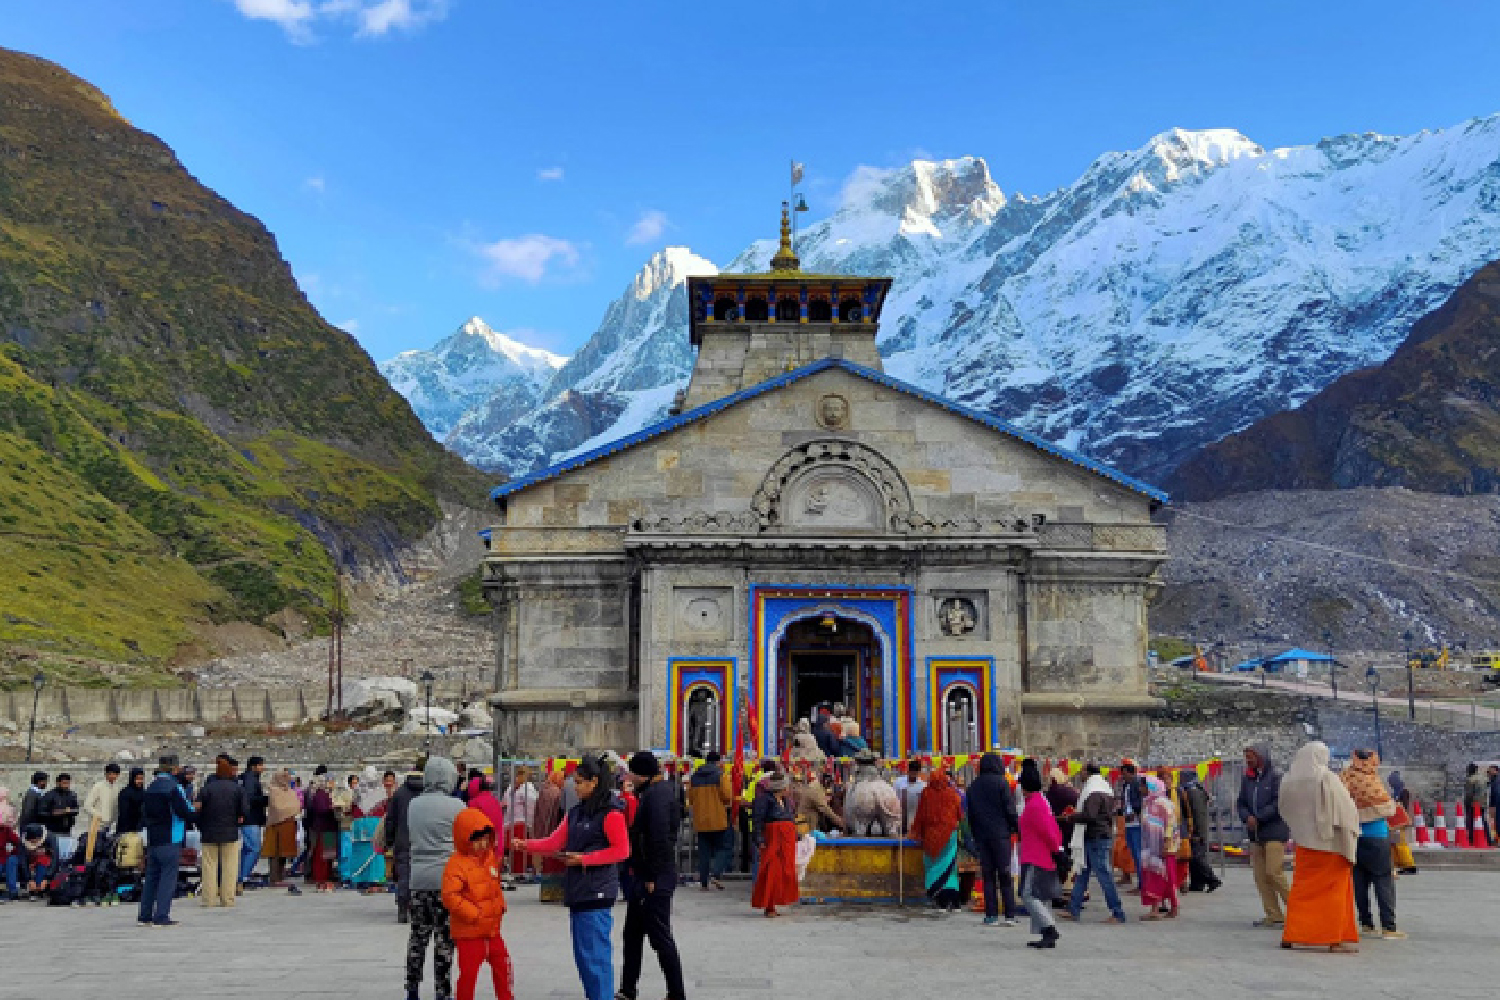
(1204, 769)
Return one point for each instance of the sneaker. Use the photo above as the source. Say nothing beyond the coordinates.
(1007, 921)
(1269, 924)
(164, 923)
(991, 921)
(1367, 929)
(1393, 935)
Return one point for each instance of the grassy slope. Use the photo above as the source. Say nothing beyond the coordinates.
(168, 399)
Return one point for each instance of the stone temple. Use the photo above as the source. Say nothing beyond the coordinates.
(805, 529)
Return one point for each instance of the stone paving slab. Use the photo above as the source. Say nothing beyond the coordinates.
(344, 945)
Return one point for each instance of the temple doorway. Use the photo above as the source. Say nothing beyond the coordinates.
(829, 660)
(960, 722)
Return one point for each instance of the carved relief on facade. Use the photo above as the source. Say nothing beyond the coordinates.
(832, 412)
(833, 483)
(960, 615)
(702, 613)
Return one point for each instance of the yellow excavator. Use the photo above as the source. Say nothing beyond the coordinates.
(1430, 659)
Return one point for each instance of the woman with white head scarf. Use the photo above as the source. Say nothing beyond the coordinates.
(1325, 825)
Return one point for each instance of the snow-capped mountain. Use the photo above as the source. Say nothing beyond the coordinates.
(466, 370)
(622, 379)
(1169, 296)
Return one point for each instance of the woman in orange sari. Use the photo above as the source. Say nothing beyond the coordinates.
(1325, 825)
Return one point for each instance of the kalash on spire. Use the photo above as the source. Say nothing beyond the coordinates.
(752, 327)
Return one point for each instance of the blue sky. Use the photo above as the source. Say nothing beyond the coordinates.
(421, 161)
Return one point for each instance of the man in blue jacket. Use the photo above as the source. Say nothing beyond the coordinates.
(167, 813)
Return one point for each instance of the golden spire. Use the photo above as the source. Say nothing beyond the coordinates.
(785, 259)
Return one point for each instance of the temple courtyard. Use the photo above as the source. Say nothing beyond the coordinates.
(275, 945)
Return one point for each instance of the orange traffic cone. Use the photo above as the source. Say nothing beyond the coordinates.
(1419, 824)
(1481, 839)
(1461, 828)
(1440, 826)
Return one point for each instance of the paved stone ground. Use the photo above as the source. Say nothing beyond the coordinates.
(344, 945)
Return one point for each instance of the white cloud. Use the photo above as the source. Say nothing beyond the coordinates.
(526, 257)
(317, 185)
(648, 228)
(294, 16)
(550, 174)
(349, 326)
(406, 15)
(369, 18)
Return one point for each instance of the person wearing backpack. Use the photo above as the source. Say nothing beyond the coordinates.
(168, 813)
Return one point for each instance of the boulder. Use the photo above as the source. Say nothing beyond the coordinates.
(476, 716)
(475, 752)
(379, 694)
(441, 718)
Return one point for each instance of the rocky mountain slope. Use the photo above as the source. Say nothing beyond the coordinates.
(1364, 564)
(1170, 296)
(183, 439)
(1427, 419)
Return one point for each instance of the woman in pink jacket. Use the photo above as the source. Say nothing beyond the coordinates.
(1040, 839)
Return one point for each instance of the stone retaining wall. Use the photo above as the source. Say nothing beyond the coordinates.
(84, 706)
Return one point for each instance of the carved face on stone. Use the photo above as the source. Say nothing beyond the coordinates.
(833, 411)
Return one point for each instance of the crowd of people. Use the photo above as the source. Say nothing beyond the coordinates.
(449, 846)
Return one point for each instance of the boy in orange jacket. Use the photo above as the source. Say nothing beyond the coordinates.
(475, 904)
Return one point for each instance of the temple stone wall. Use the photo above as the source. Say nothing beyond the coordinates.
(955, 468)
(830, 480)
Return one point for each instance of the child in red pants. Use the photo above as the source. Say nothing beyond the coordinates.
(475, 903)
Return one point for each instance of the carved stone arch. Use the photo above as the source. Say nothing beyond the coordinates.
(837, 483)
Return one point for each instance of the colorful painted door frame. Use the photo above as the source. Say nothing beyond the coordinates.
(978, 674)
(686, 674)
(888, 612)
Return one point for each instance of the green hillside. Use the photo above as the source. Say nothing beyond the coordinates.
(183, 440)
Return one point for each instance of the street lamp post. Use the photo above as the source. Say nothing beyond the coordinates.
(1411, 687)
(427, 680)
(1333, 665)
(38, 681)
(1373, 677)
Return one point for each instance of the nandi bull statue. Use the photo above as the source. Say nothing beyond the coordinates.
(871, 806)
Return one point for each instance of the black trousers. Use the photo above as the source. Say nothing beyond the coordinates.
(746, 842)
(1200, 871)
(403, 881)
(994, 869)
(649, 915)
(1373, 868)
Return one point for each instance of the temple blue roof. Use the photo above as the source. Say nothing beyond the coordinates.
(797, 374)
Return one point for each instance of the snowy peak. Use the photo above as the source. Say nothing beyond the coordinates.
(537, 363)
(929, 197)
(667, 269)
(1180, 152)
(465, 369)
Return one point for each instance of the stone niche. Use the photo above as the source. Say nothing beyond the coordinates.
(703, 614)
(832, 497)
(960, 614)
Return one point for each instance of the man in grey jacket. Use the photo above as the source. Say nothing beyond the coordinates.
(429, 822)
(1259, 807)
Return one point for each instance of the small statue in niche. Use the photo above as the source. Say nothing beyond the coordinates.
(956, 616)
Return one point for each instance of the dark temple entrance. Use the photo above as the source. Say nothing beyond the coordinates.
(831, 661)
